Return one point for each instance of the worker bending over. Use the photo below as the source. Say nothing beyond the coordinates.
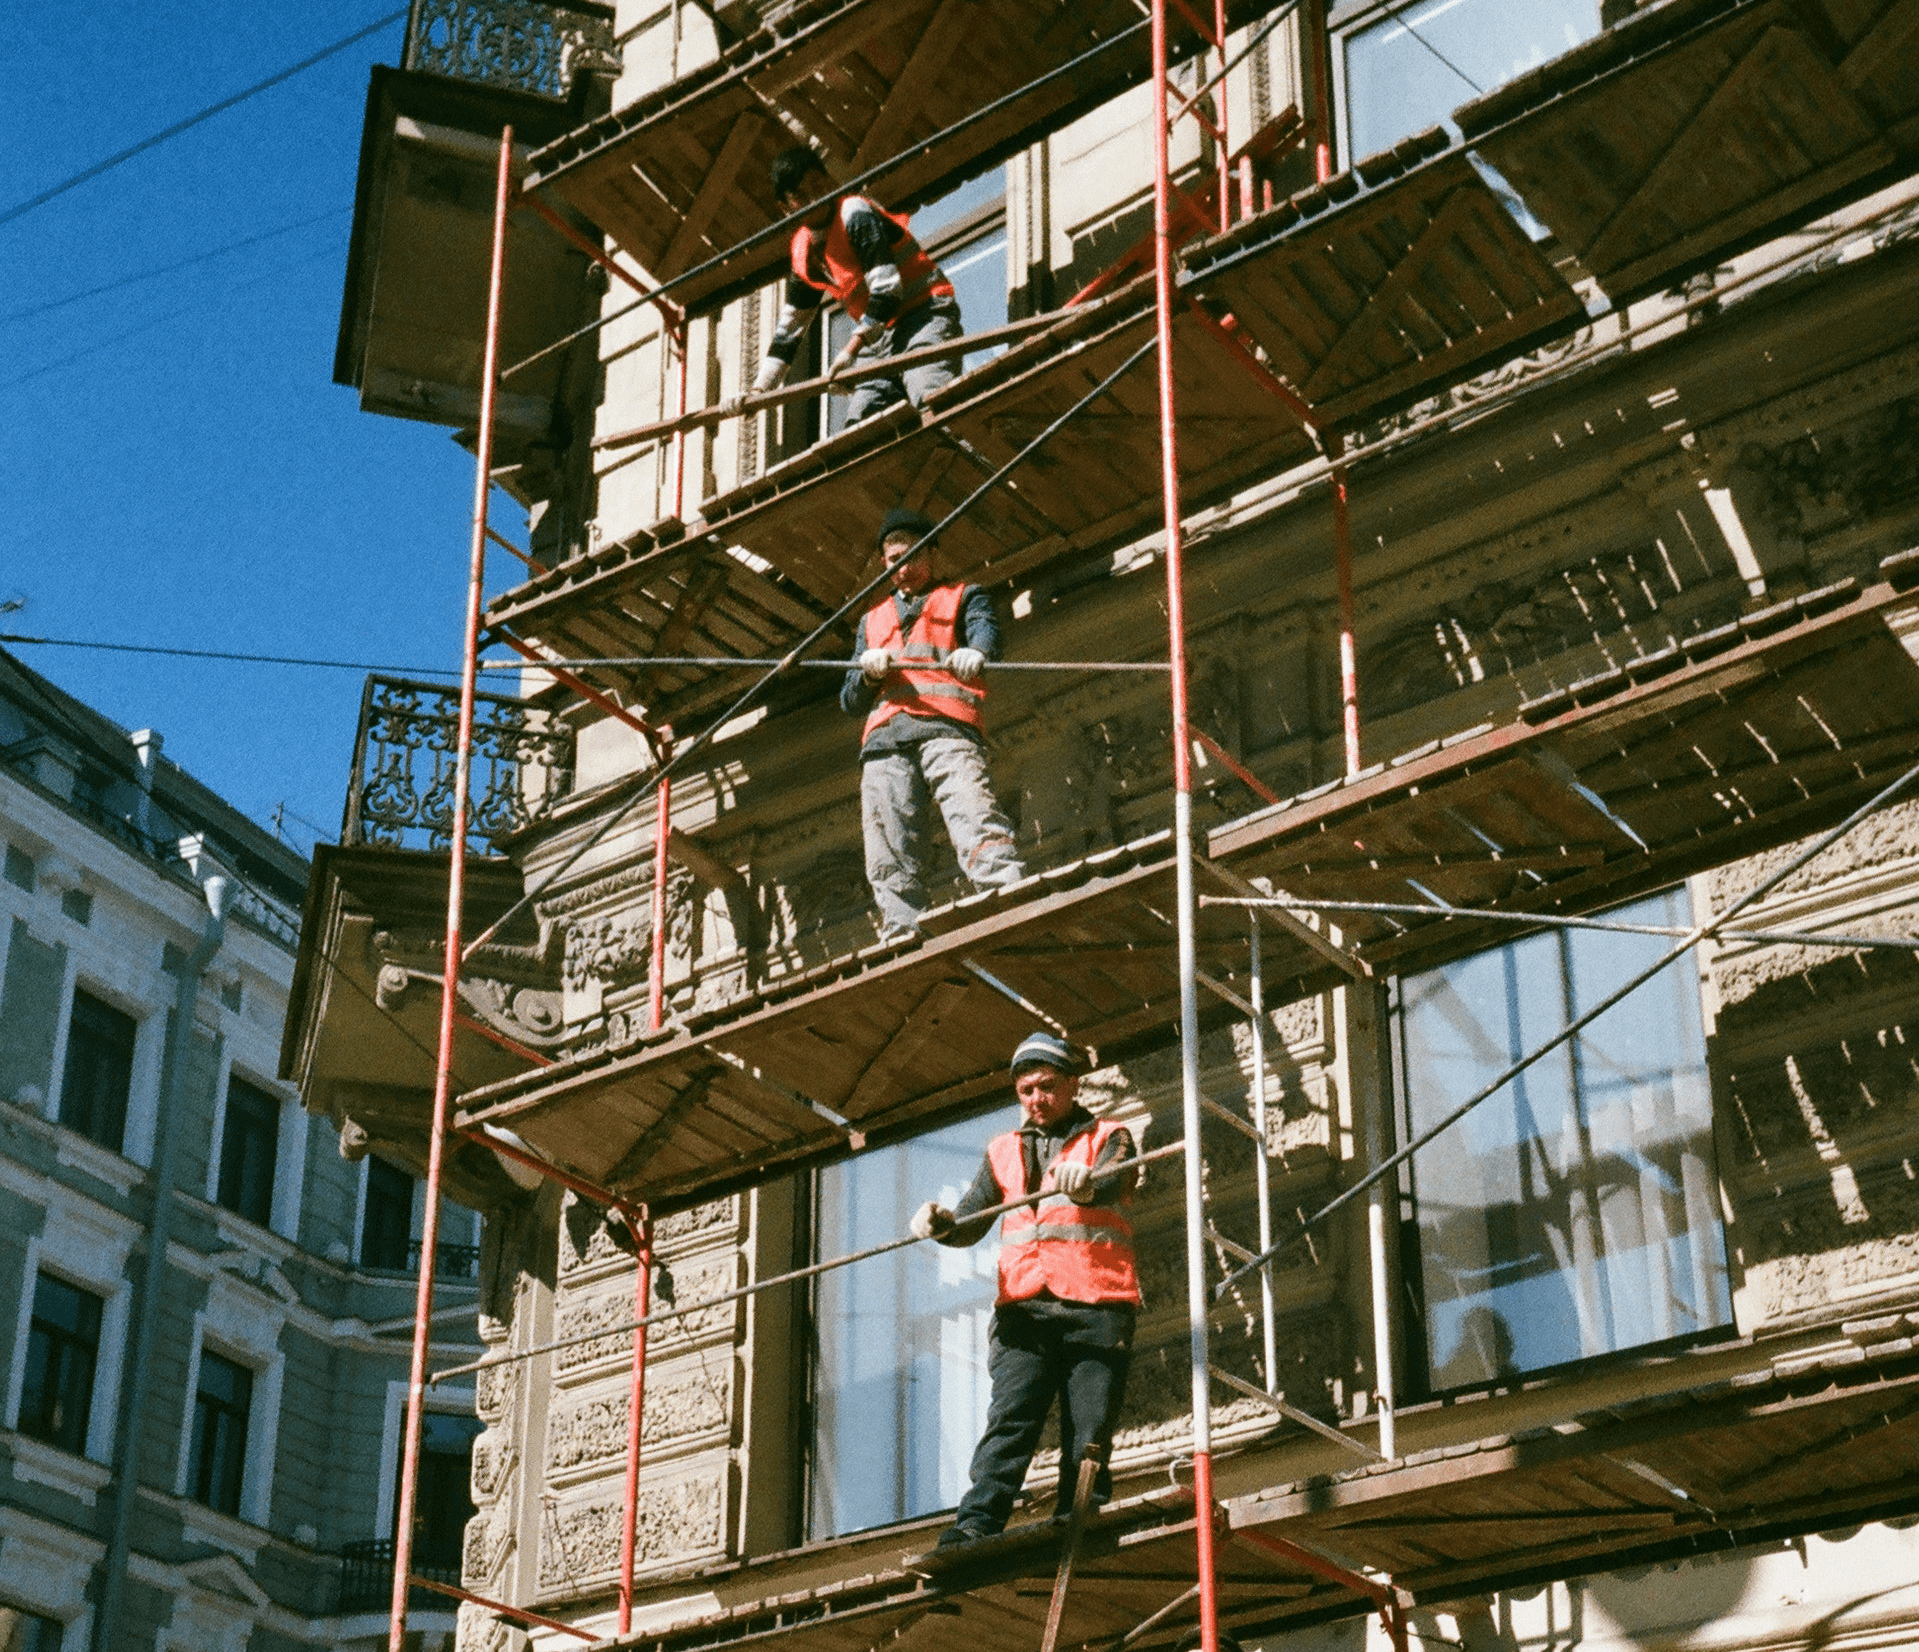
(1068, 1289)
(918, 658)
(851, 248)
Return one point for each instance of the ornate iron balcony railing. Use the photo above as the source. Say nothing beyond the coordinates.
(522, 45)
(366, 1574)
(401, 791)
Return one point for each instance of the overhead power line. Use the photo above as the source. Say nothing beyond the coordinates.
(179, 264)
(206, 114)
(14, 640)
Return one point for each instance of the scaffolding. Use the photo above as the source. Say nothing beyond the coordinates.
(1231, 309)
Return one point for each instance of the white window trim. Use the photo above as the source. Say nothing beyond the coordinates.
(45, 1569)
(359, 1212)
(289, 1146)
(459, 1402)
(92, 1256)
(263, 1358)
(149, 1056)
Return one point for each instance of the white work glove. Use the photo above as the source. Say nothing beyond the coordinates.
(1075, 1181)
(875, 663)
(864, 338)
(931, 1221)
(966, 664)
(771, 375)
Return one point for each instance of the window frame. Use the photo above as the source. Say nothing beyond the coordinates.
(1414, 1345)
(198, 1447)
(368, 1194)
(260, 1117)
(77, 1444)
(70, 1023)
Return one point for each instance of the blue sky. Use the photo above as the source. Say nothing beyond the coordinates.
(193, 476)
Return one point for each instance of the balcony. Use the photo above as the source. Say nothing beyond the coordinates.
(366, 1577)
(400, 795)
(413, 314)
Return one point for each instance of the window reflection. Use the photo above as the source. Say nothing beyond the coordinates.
(901, 1384)
(1574, 1213)
(1412, 69)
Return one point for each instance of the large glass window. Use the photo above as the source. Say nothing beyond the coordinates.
(217, 1458)
(63, 1342)
(249, 1144)
(1575, 1212)
(901, 1383)
(99, 1071)
(1416, 64)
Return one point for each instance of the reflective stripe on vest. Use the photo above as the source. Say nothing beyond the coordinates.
(920, 277)
(923, 690)
(1078, 1253)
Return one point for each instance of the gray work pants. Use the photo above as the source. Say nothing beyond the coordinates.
(932, 323)
(896, 788)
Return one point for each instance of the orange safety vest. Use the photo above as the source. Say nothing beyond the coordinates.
(1078, 1253)
(927, 690)
(920, 277)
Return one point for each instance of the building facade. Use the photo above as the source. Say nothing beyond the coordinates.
(199, 1454)
(1692, 1219)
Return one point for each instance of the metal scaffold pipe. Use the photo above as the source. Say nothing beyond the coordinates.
(407, 1502)
(1199, 1331)
(718, 662)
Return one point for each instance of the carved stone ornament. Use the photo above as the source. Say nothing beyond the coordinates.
(580, 1542)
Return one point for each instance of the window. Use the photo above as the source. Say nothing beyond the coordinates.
(443, 1503)
(1412, 68)
(901, 1384)
(1576, 1212)
(249, 1144)
(386, 1230)
(22, 1631)
(19, 868)
(63, 1342)
(217, 1456)
(99, 1071)
(77, 904)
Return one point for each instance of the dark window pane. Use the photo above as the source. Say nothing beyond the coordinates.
(1575, 1212)
(99, 1071)
(22, 1631)
(1411, 70)
(19, 868)
(387, 1228)
(249, 1144)
(444, 1503)
(63, 1340)
(219, 1448)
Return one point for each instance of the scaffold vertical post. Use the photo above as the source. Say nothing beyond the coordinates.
(407, 1502)
(1196, 1292)
(680, 338)
(1316, 51)
(635, 1415)
(1348, 636)
(1225, 126)
(1262, 1171)
(662, 839)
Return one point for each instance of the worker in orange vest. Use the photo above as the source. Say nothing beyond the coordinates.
(852, 249)
(1068, 1287)
(918, 659)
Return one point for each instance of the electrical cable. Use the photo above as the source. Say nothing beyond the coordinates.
(169, 269)
(16, 639)
(1395, 9)
(206, 114)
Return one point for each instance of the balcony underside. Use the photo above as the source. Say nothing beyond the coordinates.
(681, 176)
(1698, 128)
(1759, 1459)
(1746, 738)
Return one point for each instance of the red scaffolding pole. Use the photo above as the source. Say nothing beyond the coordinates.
(455, 898)
(1196, 1292)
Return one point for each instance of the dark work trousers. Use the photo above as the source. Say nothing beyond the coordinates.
(1042, 1350)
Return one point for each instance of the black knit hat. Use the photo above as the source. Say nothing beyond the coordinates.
(901, 519)
(792, 167)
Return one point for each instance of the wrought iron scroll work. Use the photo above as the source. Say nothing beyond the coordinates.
(519, 44)
(402, 786)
